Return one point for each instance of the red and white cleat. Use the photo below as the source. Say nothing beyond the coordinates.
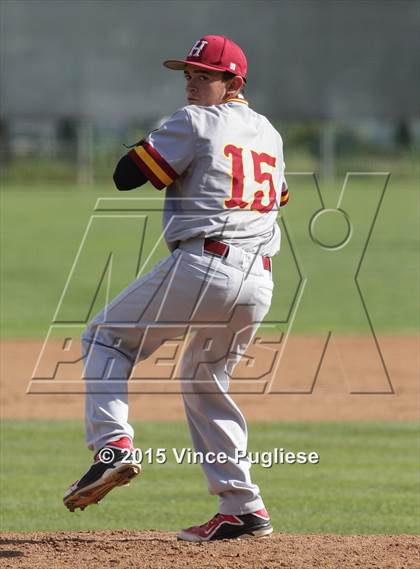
(113, 466)
(224, 526)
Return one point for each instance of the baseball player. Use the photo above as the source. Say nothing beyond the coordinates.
(223, 169)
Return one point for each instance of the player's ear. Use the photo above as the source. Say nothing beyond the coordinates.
(234, 86)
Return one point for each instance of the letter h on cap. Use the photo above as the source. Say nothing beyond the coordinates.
(197, 48)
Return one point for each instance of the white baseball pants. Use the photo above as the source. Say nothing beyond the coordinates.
(217, 305)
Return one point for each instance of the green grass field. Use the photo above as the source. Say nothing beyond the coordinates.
(43, 228)
(366, 482)
(368, 477)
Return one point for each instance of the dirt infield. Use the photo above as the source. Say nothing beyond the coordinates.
(332, 397)
(159, 550)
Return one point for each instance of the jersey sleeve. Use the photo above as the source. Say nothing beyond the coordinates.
(284, 198)
(167, 152)
(284, 194)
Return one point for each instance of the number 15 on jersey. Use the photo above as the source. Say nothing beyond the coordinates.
(246, 191)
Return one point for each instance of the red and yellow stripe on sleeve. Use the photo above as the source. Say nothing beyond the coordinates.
(153, 165)
(284, 195)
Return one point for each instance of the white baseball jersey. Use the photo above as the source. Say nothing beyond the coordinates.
(224, 171)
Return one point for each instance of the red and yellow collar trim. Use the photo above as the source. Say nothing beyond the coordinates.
(236, 100)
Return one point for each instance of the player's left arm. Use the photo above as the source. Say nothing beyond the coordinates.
(127, 176)
(166, 153)
(160, 158)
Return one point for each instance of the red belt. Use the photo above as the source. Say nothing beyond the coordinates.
(221, 250)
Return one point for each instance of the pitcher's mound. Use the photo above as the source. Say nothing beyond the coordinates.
(161, 550)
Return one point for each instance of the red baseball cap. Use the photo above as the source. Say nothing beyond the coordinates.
(216, 53)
